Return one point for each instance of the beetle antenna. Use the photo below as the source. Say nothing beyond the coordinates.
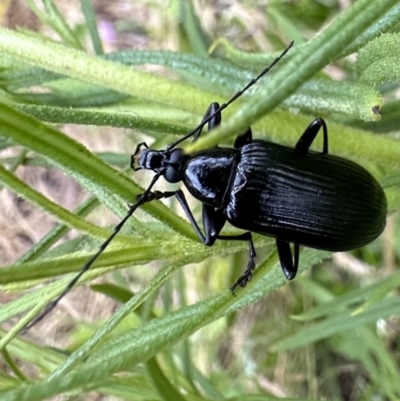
(232, 99)
(142, 199)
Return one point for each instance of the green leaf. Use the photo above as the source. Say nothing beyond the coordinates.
(350, 299)
(54, 18)
(74, 159)
(378, 62)
(164, 388)
(339, 323)
(192, 37)
(91, 24)
(350, 99)
(57, 211)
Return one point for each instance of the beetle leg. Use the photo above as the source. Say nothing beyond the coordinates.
(243, 139)
(305, 141)
(183, 202)
(248, 273)
(214, 122)
(289, 266)
(213, 222)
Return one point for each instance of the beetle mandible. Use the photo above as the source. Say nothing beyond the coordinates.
(295, 195)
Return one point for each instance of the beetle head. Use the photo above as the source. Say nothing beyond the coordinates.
(168, 163)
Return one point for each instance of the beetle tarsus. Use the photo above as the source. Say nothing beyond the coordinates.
(243, 280)
(248, 273)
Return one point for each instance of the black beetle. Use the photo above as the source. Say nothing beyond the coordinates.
(298, 196)
(292, 194)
